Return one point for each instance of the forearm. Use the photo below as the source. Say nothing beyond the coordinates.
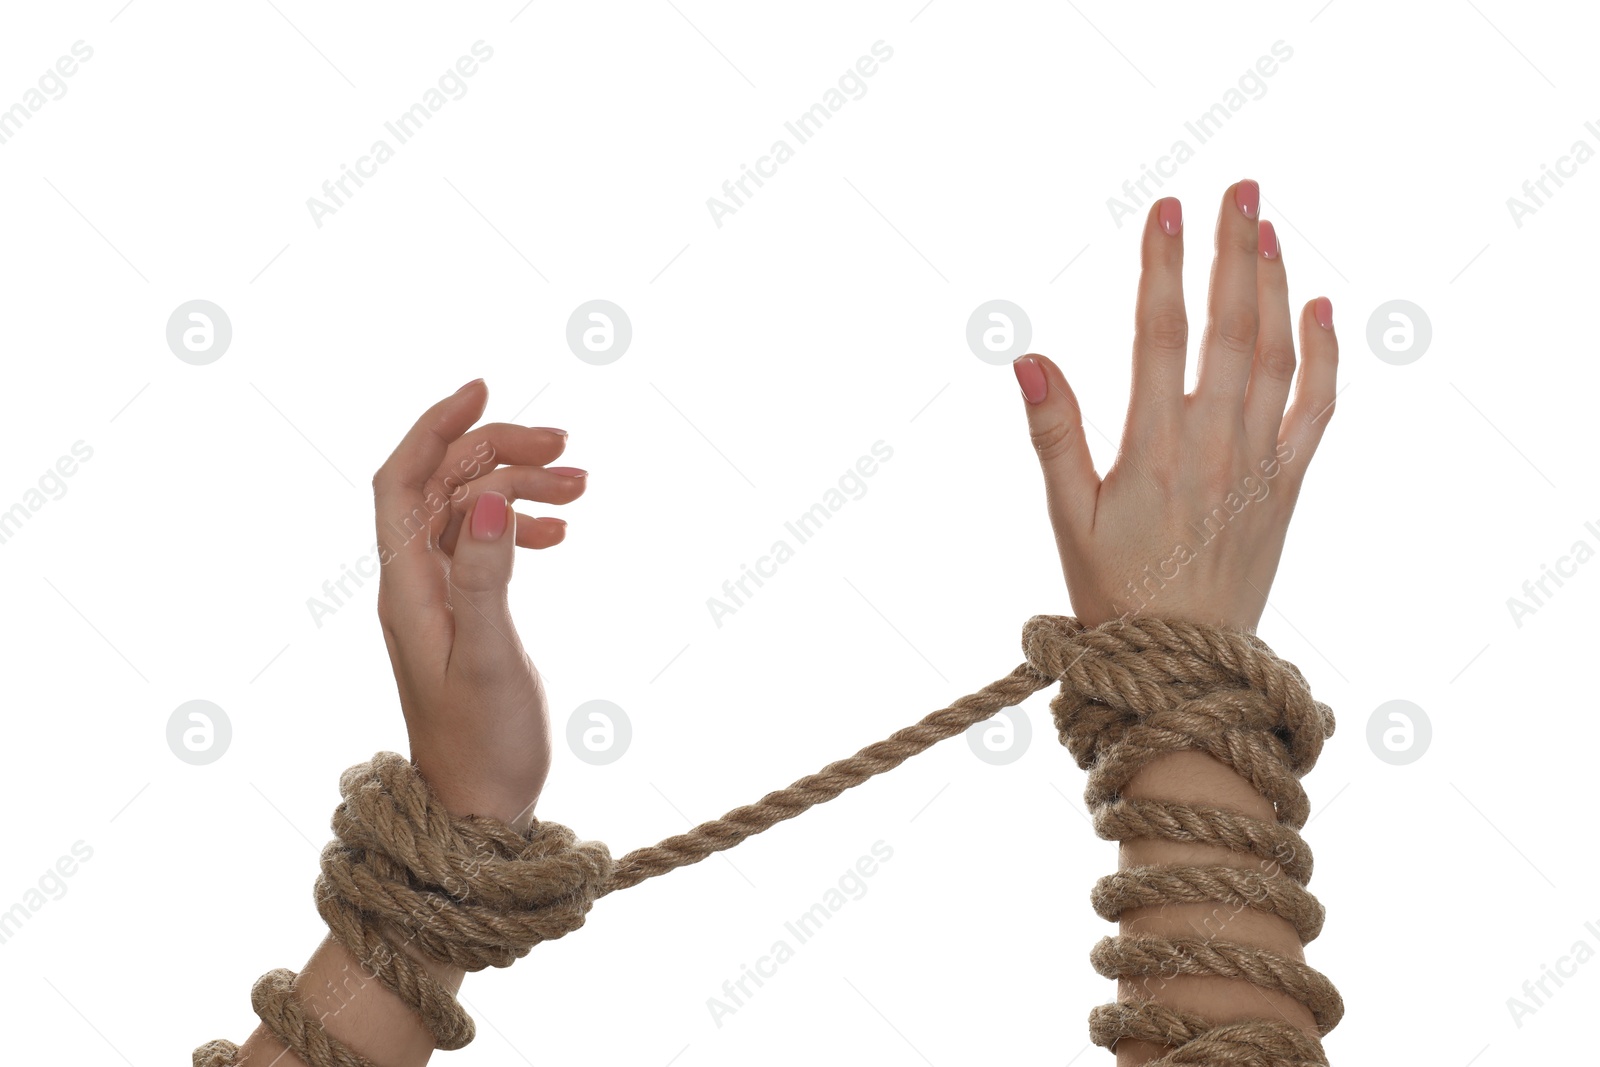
(343, 991)
(356, 1008)
(1197, 779)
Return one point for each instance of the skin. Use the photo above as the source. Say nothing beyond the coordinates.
(474, 705)
(1181, 455)
(475, 708)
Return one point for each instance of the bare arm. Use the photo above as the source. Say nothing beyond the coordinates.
(1189, 524)
(474, 705)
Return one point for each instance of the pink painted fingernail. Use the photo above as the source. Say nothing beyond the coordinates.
(1030, 376)
(489, 517)
(469, 385)
(551, 429)
(1248, 196)
(569, 472)
(1170, 215)
(1269, 240)
(1322, 308)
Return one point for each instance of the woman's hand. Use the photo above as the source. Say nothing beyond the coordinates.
(474, 704)
(1188, 524)
(1189, 521)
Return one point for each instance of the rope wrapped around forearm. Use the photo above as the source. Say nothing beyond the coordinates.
(405, 876)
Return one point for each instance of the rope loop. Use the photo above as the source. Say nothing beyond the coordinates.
(1132, 691)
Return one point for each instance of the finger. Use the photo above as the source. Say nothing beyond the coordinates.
(1056, 425)
(1273, 370)
(548, 485)
(1229, 343)
(545, 531)
(480, 574)
(412, 597)
(1314, 391)
(1161, 325)
(499, 444)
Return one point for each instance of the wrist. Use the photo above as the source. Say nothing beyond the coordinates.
(461, 798)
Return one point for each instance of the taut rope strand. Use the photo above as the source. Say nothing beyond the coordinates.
(475, 893)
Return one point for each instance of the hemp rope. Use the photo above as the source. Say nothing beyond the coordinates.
(475, 893)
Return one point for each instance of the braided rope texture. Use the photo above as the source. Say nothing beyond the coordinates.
(1132, 692)
(403, 873)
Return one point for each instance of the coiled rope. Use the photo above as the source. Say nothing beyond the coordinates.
(475, 893)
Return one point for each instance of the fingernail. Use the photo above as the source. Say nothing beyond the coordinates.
(1269, 240)
(489, 517)
(1170, 215)
(469, 385)
(1248, 196)
(551, 519)
(1322, 308)
(1030, 376)
(551, 429)
(568, 472)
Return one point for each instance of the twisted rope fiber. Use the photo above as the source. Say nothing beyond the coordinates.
(402, 871)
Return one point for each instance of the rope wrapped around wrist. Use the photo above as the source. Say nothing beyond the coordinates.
(404, 875)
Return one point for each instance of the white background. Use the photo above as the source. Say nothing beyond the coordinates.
(768, 354)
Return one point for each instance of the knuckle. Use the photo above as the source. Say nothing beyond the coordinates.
(1166, 329)
(1277, 360)
(1055, 440)
(1236, 327)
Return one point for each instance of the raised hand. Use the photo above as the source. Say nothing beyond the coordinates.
(1189, 522)
(474, 705)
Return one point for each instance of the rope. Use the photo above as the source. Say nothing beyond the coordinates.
(474, 893)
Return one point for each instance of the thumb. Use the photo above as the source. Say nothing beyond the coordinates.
(480, 571)
(1056, 425)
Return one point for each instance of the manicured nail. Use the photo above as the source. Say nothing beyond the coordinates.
(1030, 375)
(551, 429)
(551, 519)
(489, 517)
(1322, 308)
(1269, 240)
(1170, 215)
(569, 472)
(1248, 196)
(469, 385)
